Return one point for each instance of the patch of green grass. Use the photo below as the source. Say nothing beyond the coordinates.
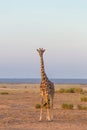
(67, 106)
(82, 107)
(84, 99)
(38, 106)
(69, 90)
(4, 93)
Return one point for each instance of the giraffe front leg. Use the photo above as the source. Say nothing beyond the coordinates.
(40, 114)
(41, 109)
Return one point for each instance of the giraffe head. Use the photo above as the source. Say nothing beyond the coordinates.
(41, 51)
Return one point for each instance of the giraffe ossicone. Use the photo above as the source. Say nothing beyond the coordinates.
(46, 90)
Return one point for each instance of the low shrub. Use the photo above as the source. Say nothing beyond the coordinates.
(4, 93)
(84, 99)
(78, 90)
(82, 107)
(37, 106)
(67, 106)
(62, 90)
(69, 90)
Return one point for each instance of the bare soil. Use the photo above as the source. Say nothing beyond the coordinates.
(18, 112)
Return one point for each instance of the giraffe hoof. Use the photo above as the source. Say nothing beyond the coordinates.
(40, 120)
(48, 119)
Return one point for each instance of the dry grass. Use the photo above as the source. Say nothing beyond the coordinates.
(18, 112)
(84, 99)
(67, 106)
(80, 107)
(69, 90)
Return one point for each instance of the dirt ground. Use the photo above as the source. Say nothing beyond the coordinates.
(18, 112)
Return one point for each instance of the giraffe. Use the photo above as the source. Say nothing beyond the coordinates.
(46, 90)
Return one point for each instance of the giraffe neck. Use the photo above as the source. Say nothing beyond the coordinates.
(43, 74)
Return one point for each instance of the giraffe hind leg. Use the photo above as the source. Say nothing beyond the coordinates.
(51, 108)
(41, 109)
(48, 110)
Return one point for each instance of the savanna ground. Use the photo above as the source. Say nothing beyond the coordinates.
(18, 112)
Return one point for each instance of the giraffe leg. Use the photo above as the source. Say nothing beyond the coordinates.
(41, 109)
(48, 110)
(48, 114)
(51, 108)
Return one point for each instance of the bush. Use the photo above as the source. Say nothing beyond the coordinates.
(82, 107)
(4, 93)
(37, 106)
(84, 99)
(78, 90)
(70, 90)
(62, 90)
(67, 106)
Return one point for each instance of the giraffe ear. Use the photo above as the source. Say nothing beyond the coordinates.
(44, 50)
(37, 50)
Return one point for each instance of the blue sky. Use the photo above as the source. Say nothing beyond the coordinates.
(60, 26)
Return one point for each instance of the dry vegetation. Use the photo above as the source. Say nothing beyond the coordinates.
(18, 112)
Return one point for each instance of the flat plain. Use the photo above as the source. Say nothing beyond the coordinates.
(18, 112)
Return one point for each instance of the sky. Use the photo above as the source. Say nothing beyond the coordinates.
(59, 26)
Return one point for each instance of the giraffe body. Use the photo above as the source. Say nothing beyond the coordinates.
(46, 90)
